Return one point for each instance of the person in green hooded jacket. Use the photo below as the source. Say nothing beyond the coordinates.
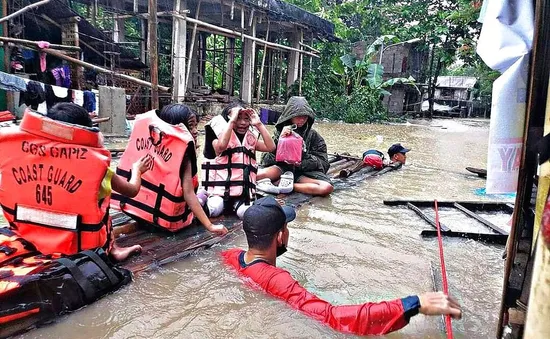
(310, 176)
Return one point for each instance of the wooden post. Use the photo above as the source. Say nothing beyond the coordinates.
(249, 48)
(263, 64)
(301, 56)
(70, 37)
(293, 60)
(192, 46)
(230, 67)
(94, 12)
(119, 31)
(152, 48)
(179, 51)
(143, 42)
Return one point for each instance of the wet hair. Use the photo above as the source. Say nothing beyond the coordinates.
(70, 113)
(228, 108)
(176, 114)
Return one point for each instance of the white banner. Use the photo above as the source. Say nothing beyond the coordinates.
(504, 45)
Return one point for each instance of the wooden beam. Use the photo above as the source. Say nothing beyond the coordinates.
(23, 10)
(485, 237)
(427, 218)
(9, 95)
(471, 205)
(152, 48)
(192, 46)
(179, 52)
(480, 219)
(237, 33)
(35, 43)
(309, 47)
(263, 65)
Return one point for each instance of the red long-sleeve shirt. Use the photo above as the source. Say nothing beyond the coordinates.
(365, 319)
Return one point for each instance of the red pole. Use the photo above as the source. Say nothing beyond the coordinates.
(448, 325)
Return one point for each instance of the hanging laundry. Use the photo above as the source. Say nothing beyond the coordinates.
(59, 75)
(89, 101)
(12, 83)
(56, 94)
(67, 79)
(78, 97)
(34, 95)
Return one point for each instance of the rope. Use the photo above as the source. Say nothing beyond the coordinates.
(448, 325)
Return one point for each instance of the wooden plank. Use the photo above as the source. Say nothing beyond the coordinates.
(480, 219)
(427, 218)
(471, 205)
(336, 168)
(485, 237)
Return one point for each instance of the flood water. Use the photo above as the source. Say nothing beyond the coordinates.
(348, 248)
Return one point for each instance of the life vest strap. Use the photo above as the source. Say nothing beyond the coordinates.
(102, 265)
(86, 286)
(240, 149)
(210, 166)
(80, 226)
(231, 183)
(151, 210)
(152, 187)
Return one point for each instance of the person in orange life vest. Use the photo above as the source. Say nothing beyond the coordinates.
(181, 114)
(310, 176)
(73, 114)
(230, 150)
(267, 234)
(398, 153)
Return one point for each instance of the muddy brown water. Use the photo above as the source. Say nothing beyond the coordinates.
(348, 248)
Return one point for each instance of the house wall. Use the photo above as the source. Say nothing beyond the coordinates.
(394, 102)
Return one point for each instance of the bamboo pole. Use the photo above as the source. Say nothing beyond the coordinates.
(263, 64)
(99, 69)
(192, 45)
(153, 54)
(24, 9)
(309, 47)
(35, 43)
(230, 31)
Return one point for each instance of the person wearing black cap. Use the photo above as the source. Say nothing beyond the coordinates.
(266, 230)
(398, 153)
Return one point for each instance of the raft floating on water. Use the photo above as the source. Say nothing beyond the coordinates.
(159, 248)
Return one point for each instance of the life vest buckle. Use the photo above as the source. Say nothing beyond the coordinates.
(7, 250)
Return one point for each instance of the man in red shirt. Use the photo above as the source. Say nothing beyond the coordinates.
(265, 226)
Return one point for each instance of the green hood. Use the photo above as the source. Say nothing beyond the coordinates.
(296, 106)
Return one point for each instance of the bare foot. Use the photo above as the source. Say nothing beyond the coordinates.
(122, 253)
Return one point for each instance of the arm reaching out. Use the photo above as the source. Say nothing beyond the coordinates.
(131, 188)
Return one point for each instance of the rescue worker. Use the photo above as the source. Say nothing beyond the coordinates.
(55, 182)
(398, 153)
(310, 176)
(167, 198)
(229, 168)
(267, 234)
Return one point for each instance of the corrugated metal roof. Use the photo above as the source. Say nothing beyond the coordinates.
(456, 81)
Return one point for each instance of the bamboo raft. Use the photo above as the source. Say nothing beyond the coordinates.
(161, 247)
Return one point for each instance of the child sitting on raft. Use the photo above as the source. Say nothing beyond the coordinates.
(58, 199)
(167, 198)
(310, 176)
(229, 168)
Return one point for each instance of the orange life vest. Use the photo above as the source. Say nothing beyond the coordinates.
(50, 180)
(160, 199)
(233, 172)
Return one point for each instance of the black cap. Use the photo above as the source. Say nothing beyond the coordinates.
(266, 217)
(397, 148)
